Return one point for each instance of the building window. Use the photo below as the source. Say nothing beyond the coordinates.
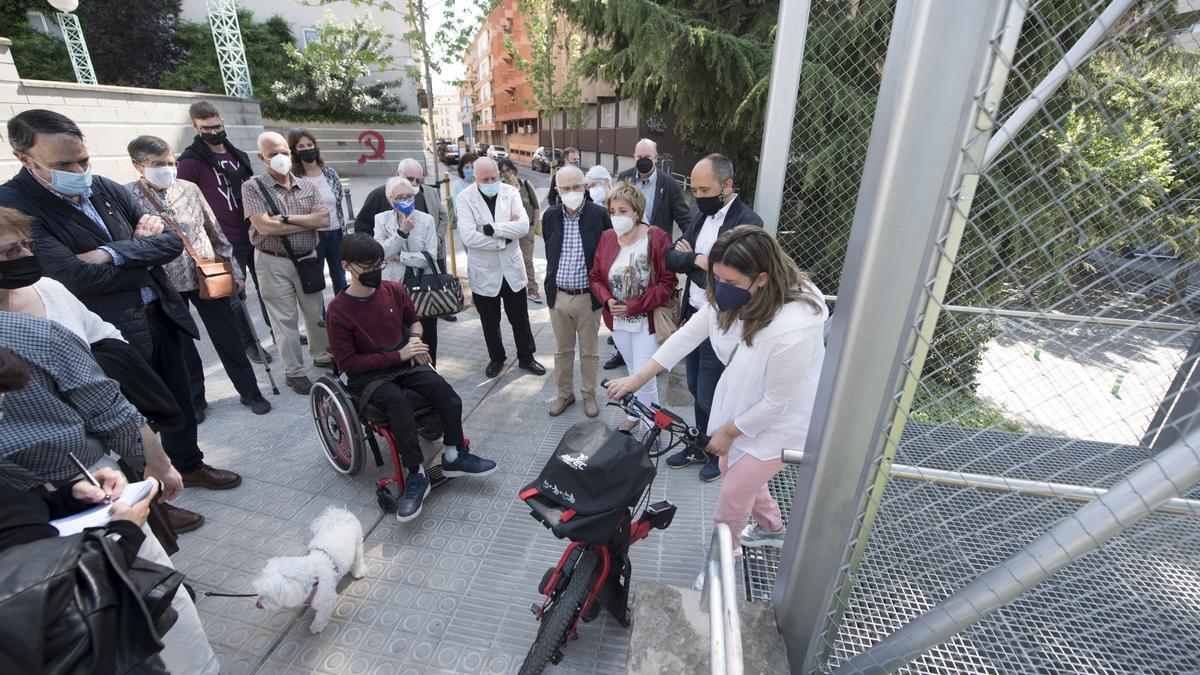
(608, 115)
(589, 117)
(38, 21)
(311, 36)
(628, 110)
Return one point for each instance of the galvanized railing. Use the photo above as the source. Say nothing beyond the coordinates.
(719, 598)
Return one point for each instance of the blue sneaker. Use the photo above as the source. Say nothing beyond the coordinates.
(711, 469)
(416, 488)
(467, 465)
(685, 458)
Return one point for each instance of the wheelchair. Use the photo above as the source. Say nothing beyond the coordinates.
(347, 429)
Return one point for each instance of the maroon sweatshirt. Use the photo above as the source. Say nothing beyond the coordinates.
(365, 334)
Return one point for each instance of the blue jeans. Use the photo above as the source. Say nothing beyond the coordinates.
(703, 371)
(329, 249)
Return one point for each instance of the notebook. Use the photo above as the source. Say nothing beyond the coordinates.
(99, 516)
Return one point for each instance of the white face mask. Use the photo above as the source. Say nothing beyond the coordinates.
(161, 176)
(281, 163)
(572, 200)
(598, 193)
(622, 224)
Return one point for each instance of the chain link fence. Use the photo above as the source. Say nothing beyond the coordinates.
(1055, 355)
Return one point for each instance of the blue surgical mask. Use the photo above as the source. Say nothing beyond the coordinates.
(468, 174)
(404, 206)
(67, 182)
(489, 189)
(730, 297)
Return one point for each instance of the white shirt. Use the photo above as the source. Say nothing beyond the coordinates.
(405, 252)
(709, 233)
(629, 277)
(326, 195)
(768, 388)
(64, 308)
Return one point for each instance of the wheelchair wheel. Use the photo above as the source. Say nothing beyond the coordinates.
(338, 425)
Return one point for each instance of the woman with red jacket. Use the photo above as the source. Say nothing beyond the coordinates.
(630, 278)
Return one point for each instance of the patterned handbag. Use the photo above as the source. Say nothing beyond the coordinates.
(435, 293)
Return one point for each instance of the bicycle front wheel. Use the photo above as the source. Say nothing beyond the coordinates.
(560, 616)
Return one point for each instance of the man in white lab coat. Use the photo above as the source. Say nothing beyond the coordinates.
(490, 221)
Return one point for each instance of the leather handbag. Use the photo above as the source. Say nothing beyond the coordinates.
(310, 268)
(214, 278)
(666, 315)
(435, 293)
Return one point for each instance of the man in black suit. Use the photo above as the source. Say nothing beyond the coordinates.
(91, 237)
(571, 230)
(720, 211)
(665, 205)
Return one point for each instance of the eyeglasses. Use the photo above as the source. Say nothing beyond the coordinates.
(571, 188)
(14, 251)
(212, 129)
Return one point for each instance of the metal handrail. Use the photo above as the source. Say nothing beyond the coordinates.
(718, 597)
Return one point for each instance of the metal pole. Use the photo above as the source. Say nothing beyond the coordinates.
(81, 60)
(718, 597)
(913, 162)
(1179, 411)
(784, 89)
(1173, 471)
(428, 85)
(1070, 62)
(231, 53)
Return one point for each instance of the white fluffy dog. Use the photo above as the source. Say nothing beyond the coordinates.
(336, 547)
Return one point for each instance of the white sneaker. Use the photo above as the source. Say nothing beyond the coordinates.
(755, 536)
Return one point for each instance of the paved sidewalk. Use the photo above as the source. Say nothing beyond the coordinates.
(449, 592)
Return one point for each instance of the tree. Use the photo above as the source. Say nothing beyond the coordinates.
(549, 47)
(325, 76)
(265, 55)
(132, 42)
(38, 56)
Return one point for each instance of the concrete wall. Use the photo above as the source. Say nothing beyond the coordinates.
(110, 117)
(355, 149)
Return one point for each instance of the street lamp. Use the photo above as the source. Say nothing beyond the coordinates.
(81, 61)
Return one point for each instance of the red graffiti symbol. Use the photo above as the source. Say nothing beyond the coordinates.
(374, 142)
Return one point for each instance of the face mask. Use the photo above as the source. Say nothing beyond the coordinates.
(404, 206)
(217, 138)
(281, 163)
(730, 297)
(20, 272)
(645, 165)
(598, 194)
(489, 189)
(309, 155)
(709, 206)
(161, 176)
(572, 200)
(371, 279)
(622, 224)
(68, 183)
(468, 174)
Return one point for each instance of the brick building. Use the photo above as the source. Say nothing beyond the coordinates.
(501, 99)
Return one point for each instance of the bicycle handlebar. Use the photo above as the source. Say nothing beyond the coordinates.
(691, 435)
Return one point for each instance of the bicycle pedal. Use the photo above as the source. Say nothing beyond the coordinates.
(535, 607)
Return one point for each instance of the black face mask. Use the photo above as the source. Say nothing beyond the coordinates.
(20, 272)
(371, 279)
(309, 155)
(710, 205)
(645, 165)
(214, 139)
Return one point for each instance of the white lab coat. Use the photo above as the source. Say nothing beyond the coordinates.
(497, 258)
(767, 389)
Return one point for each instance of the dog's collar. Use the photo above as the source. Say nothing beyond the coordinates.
(336, 570)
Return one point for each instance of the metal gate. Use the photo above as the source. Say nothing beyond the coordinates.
(1002, 198)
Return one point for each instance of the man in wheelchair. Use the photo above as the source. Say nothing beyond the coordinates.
(375, 339)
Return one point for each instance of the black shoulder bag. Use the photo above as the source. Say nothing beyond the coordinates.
(310, 268)
(434, 292)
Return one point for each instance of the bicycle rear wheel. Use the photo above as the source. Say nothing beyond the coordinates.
(560, 616)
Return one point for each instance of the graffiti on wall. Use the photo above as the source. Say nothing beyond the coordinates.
(373, 140)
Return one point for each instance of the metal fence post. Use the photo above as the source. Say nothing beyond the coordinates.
(922, 121)
(790, 33)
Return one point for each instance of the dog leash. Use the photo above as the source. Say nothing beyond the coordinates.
(214, 594)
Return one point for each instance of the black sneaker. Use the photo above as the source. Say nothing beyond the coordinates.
(615, 362)
(685, 458)
(416, 487)
(493, 369)
(257, 404)
(467, 465)
(449, 317)
(711, 470)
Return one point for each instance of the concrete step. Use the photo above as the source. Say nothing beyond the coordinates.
(670, 634)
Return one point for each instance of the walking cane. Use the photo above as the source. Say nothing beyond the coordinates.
(262, 354)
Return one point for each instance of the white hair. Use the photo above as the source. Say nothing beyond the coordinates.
(485, 161)
(647, 141)
(270, 135)
(569, 168)
(407, 162)
(393, 183)
(598, 172)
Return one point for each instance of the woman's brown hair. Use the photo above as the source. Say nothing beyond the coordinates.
(15, 222)
(626, 192)
(294, 136)
(751, 251)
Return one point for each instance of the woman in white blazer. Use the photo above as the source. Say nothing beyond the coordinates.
(765, 319)
(491, 220)
(408, 236)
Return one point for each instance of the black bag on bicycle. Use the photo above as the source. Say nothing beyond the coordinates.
(434, 293)
(310, 268)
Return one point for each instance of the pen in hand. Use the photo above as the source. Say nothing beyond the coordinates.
(88, 474)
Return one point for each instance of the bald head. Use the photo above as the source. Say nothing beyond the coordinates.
(570, 174)
(268, 139)
(270, 144)
(486, 170)
(713, 177)
(645, 154)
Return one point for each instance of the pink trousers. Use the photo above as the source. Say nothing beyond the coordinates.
(744, 493)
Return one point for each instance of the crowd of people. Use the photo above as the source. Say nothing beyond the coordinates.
(99, 283)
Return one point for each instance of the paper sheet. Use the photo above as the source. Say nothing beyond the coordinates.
(99, 515)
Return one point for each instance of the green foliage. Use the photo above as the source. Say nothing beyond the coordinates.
(553, 90)
(324, 77)
(38, 56)
(274, 112)
(265, 55)
(132, 42)
(937, 403)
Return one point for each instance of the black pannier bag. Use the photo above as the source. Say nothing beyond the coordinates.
(594, 476)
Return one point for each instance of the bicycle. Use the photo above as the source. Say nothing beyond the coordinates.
(587, 493)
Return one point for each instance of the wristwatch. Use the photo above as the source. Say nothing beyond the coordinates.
(286, 219)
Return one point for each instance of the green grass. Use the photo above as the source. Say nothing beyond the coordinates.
(938, 404)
